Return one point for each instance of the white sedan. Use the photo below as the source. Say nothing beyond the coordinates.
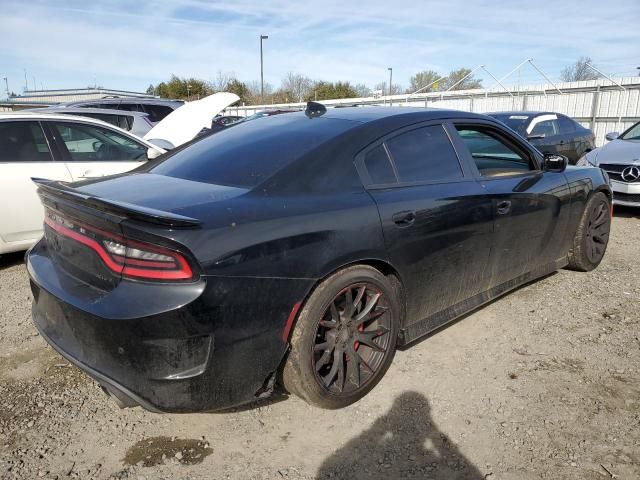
(57, 147)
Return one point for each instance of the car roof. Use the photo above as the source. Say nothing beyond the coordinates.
(530, 113)
(370, 114)
(158, 101)
(80, 111)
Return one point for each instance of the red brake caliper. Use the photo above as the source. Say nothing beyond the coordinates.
(357, 343)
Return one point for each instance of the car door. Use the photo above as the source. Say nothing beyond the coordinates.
(544, 133)
(94, 151)
(25, 152)
(436, 220)
(573, 135)
(531, 207)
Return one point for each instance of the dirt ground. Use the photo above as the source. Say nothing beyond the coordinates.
(542, 383)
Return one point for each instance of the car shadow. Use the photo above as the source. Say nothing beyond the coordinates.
(403, 443)
(625, 212)
(8, 260)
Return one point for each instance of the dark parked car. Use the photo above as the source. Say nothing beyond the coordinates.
(550, 132)
(155, 108)
(301, 248)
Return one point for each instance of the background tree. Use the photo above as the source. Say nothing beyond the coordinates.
(362, 90)
(240, 89)
(151, 90)
(456, 75)
(579, 71)
(329, 90)
(297, 85)
(221, 81)
(422, 79)
(396, 89)
(185, 88)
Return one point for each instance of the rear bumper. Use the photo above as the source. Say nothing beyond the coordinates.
(214, 348)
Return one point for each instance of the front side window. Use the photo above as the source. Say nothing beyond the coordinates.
(566, 125)
(424, 155)
(632, 134)
(23, 142)
(492, 155)
(87, 143)
(548, 128)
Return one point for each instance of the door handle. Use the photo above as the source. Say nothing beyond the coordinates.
(404, 218)
(503, 207)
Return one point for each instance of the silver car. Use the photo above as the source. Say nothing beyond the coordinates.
(620, 158)
(137, 123)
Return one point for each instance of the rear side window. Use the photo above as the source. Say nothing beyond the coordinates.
(250, 152)
(157, 112)
(130, 107)
(424, 155)
(23, 142)
(377, 164)
(120, 121)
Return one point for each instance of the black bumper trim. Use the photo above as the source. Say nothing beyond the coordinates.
(99, 377)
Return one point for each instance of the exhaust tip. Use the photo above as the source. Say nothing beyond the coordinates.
(118, 397)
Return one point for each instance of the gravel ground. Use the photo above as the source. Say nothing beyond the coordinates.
(542, 383)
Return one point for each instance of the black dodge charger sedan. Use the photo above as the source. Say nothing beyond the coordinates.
(551, 132)
(301, 249)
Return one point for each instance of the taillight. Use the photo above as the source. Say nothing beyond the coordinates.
(123, 256)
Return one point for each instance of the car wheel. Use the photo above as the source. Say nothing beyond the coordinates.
(592, 235)
(344, 339)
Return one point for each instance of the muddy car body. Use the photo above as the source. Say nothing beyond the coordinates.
(301, 247)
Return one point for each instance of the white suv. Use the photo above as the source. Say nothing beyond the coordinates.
(57, 147)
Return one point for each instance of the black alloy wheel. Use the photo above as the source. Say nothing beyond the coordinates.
(352, 338)
(592, 235)
(344, 338)
(597, 231)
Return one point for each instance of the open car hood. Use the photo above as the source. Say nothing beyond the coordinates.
(185, 122)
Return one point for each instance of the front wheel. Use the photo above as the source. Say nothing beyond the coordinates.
(592, 235)
(344, 339)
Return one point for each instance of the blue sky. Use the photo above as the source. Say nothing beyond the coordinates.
(127, 45)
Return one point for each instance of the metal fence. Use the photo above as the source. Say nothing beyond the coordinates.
(600, 105)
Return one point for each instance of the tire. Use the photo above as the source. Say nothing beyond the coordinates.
(328, 334)
(592, 235)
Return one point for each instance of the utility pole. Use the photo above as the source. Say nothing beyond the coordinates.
(262, 38)
(26, 85)
(6, 82)
(390, 83)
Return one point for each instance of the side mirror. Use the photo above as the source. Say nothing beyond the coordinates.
(535, 136)
(555, 163)
(612, 136)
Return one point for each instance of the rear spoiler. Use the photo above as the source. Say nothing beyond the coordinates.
(129, 210)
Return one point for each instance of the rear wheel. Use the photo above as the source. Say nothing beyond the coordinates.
(344, 339)
(592, 236)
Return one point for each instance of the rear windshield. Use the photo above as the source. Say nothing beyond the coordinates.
(250, 152)
(514, 122)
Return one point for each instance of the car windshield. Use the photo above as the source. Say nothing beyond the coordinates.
(514, 122)
(632, 134)
(250, 152)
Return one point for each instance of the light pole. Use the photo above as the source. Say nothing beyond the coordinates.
(390, 80)
(6, 82)
(262, 37)
(188, 92)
